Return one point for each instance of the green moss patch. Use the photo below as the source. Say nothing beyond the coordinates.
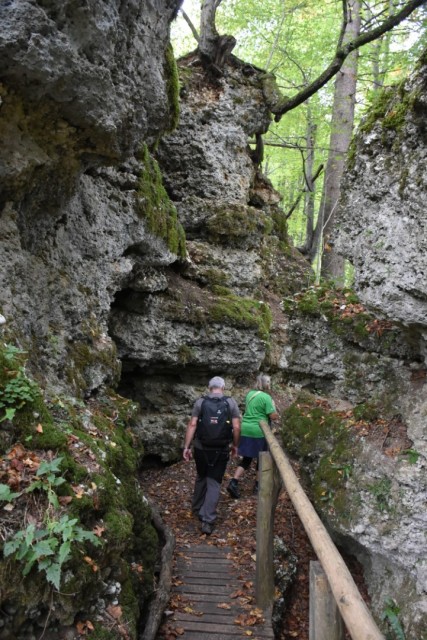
(346, 315)
(196, 306)
(234, 223)
(156, 207)
(172, 87)
(322, 440)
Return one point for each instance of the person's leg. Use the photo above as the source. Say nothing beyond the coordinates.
(233, 488)
(208, 509)
(217, 463)
(200, 485)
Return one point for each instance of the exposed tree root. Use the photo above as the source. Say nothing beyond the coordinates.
(160, 602)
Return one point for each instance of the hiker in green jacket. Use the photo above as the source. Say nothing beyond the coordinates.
(259, 405)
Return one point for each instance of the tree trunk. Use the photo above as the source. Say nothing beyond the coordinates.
(213, 47)
(341, 132)
(309, 195)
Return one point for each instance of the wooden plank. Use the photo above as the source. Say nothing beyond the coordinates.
(211, 608)
(210, 566)
(209, 635)
(210, 618)
(219, 629)
(198, 635)
(217, 575)
(225, 581)
(211, 548)
(207, 597)
(194, 588)
(325, 620)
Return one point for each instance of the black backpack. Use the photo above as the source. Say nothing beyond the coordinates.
(214, 428)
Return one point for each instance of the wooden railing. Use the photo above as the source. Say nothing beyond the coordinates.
(323, 623)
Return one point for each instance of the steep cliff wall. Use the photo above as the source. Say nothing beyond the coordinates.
(382, 231)
(82, 88)
(381, 218)
(217, 311)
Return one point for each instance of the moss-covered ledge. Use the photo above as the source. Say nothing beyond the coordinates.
(97, 456)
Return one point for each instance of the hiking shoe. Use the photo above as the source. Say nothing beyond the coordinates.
(233, 489)
(207, 527)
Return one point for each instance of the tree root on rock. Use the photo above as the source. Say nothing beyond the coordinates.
(161, 599)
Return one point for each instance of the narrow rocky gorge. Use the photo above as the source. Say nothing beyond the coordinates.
(144, 252)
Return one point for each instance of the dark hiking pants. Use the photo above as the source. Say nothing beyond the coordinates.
(210, 466)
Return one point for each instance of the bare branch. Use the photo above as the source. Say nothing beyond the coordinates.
(298, 200)
(191, 25)
(284, 105)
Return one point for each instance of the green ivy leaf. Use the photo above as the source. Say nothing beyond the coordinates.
(64, 552)
(6, 494)
(53, 574)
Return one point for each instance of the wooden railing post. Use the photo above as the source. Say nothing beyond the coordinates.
(268, 491)
(356, 615)
(325, 619)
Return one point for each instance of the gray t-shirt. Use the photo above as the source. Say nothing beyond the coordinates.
(197, 409)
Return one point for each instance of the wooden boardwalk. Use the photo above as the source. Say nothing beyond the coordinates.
(207, 582)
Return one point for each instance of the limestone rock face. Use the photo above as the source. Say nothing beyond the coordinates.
(209, 315)
(382, 221)
(83, 86)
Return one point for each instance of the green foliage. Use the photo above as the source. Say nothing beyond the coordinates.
(185, 354)
(381, 490)
(6, 494)
(157, 208)
(47, 480)
(48, 547)
(390, 616)
(368, 411)
(17, 392)
(412, 454)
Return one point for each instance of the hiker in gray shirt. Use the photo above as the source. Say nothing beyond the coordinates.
(214, 426)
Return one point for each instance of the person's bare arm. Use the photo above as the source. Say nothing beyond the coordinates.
(189, 435)
(236, 436)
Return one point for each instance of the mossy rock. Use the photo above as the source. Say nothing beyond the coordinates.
(197, 308)
(156, 207)
(322, 440)
(172, 87)
(234, 224)
(100, 459)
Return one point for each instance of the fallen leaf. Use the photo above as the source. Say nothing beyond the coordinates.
(39, 428)
(98, 530)
(224, 605)
(91, 563)
(84, 626)
(64, 500)
(115, 611)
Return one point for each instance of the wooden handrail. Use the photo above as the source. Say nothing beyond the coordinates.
(357, 617)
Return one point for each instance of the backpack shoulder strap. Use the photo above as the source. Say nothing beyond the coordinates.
(252, 397)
